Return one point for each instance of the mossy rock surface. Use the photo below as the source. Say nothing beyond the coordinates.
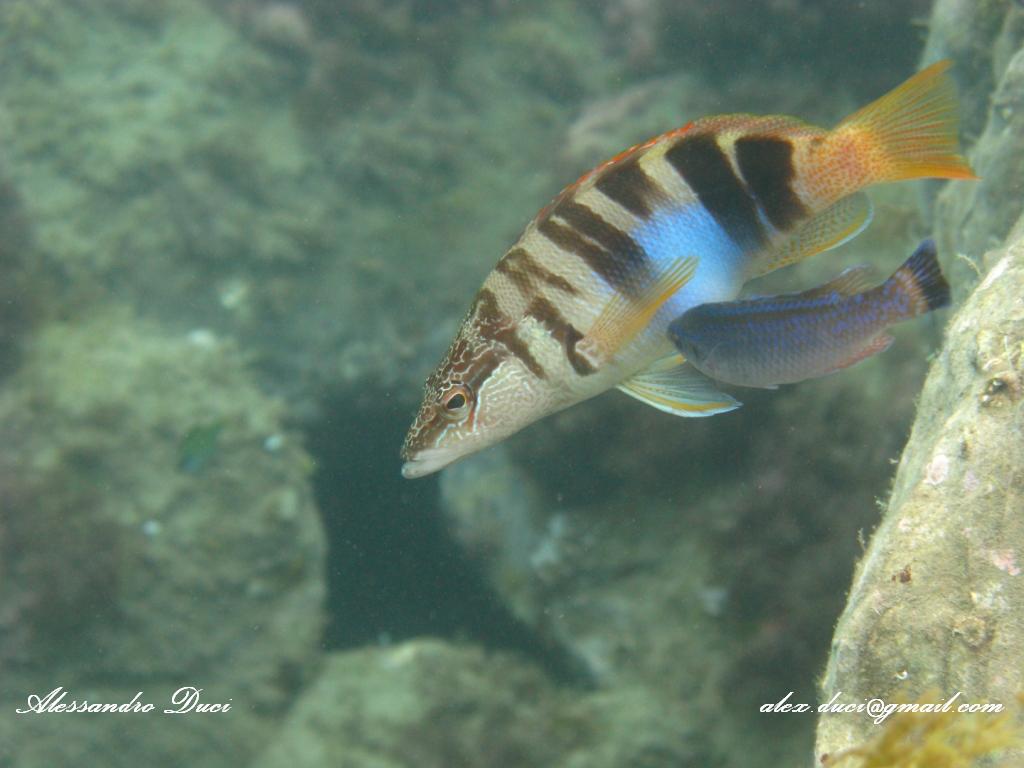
(935, 603)
(432, 704)
(125, 568)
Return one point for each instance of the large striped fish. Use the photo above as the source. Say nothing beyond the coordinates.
(582, 302)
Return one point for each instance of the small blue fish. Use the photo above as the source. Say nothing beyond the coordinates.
(199, 447)
(772, 340)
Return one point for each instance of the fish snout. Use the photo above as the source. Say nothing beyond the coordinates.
(426, 462)
(679, 334)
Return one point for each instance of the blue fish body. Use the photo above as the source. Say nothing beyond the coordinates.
(767, 341)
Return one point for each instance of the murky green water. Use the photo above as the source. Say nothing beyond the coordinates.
(235, 238)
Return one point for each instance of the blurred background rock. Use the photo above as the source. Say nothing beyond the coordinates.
(243, 231)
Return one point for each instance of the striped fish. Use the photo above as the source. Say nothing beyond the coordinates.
(772, 340)
(582, 302)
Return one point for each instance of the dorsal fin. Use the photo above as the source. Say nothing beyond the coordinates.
(836, 225)
(849, 282)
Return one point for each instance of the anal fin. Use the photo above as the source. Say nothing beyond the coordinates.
(878, 344)
(678, 388)
(838, 224)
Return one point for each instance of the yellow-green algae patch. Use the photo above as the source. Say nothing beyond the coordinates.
(949, 739)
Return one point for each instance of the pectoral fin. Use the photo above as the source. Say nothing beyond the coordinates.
(676, 387)
(623, 317)
(837, 224)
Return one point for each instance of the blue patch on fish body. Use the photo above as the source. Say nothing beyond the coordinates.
(690, 230)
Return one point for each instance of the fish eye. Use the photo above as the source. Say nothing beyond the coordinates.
(456, 402)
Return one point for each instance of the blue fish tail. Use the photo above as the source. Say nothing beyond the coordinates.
(919, 284)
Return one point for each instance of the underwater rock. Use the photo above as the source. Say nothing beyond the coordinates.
(676, 563)
(975, 36)
(123, 568)
(973, 218)
(935, 602)
(429, 704)
(21, 285)
(422, 703)
(569, 572)
(193, 178)
(873, 37)
(492, 509)
(280, 26)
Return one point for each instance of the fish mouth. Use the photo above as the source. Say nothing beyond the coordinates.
(426, 462)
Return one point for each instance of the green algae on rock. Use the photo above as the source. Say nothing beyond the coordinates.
(121, 573)
(435, 705)
(930, 732)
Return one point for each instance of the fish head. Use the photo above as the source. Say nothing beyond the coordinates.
(690, 338)
(684, 336)
(480, 394)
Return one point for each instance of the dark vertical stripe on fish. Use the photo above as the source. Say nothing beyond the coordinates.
(609, 251)
(467, 363)
(522, 279)
(703, 165)
(568, 240)
(494, 326)
(483, 366)
(628, 184)
(562, 331)
(767, 166)
(524, 271)
(607, 235)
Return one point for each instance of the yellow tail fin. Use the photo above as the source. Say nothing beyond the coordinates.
(911, 132)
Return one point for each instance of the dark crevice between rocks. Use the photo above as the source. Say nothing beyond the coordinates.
(393, 570)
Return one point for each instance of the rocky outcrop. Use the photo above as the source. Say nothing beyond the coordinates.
(134, 556)
(434, 705)
(935, 602)
(973, 219)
